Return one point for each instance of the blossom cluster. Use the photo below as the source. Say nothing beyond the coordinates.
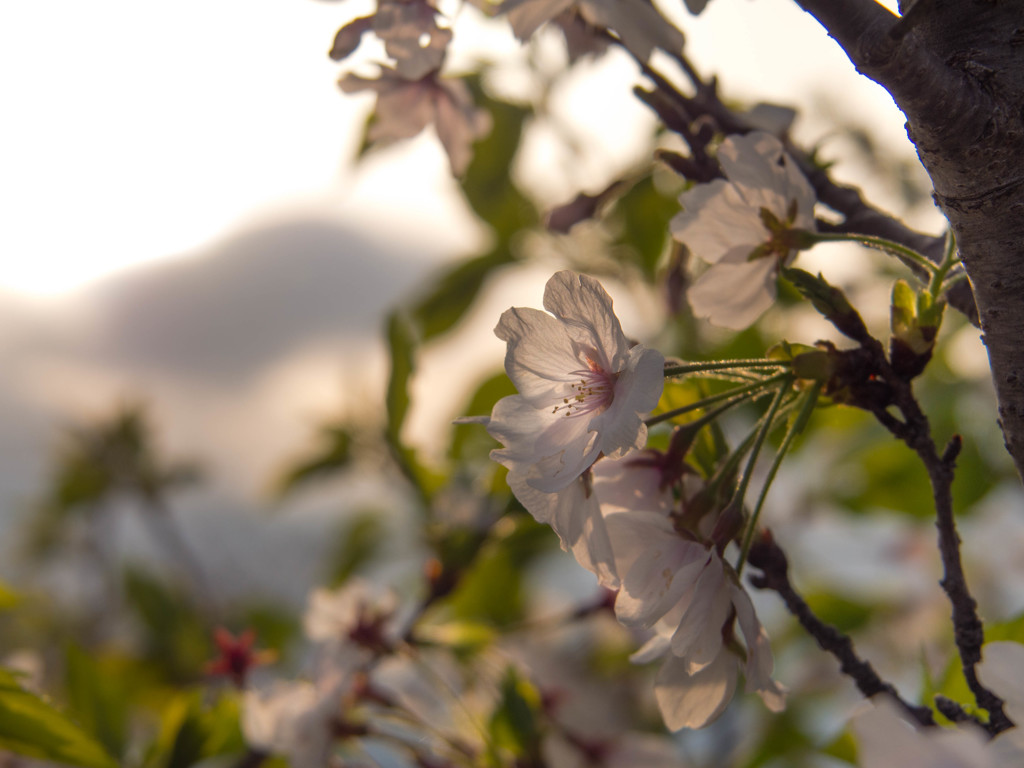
(376, 696)
(412, 93)
(573, 442)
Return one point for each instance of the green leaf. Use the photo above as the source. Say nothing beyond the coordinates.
(175, 638)
(472, 440)
(513, 725)
(453, 292)
(402, 343)
(829, 301)
(333, 455)
(497, 569)
(463, 637)
(97, 697)
(191, 731)
(845, 615)
(358, 543)
(487, 183)
(8, 597)
(645, 214)
(30, 727)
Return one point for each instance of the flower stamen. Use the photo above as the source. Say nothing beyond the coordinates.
(592, 392)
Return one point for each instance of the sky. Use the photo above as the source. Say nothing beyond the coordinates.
(183, 221)
(144, 130)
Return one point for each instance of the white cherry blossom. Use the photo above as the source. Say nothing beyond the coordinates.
(680, 587)
(405, 107)
(356, 607)
(743, 228)
(583, 388)
(409, 31)
(295, 718)
(638, 24)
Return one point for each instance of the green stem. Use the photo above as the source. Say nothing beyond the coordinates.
(809, 400)
(727, 467)
(950, 259)
(739, 393)
(765, 426)
(908, 256)
(720, 365)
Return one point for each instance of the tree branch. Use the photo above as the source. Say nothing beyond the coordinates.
(766, 555)
(881, 47)
(955, 70)
(680, 113)
(915, 431)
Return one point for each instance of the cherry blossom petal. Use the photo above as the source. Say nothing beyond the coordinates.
(411, 36)
(548, 451)
(759, 162)
(349, 37)
(656, 565)
(638, 23)
(629, 486)
(759, 653)
(693, 701)
(636, 392)
(541, 359)
(527, 16)
(716, 220)
(459, 123)
(575, 516)
(734, 295)
(585, 309)
(698, 639)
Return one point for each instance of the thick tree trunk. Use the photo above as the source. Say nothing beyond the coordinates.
(956, 69)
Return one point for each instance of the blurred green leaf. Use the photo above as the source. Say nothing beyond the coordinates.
(8, 597)
(842, 747)
(333, 454)
(97, 697)
(454, 291)
(491, 589)
(471, 440)
(32, 728)
(358, 543)
(175, 638)
(845, 615)
(709, 447)
(191, 731)
(402, 344)
(645, 214)
(463, 637)
(513, 726)
(487, 184)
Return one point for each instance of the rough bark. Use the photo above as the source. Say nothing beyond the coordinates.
(956, 70)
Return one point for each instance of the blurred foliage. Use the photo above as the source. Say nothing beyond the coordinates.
(333, 453)
(131, 679)
(358, 544)
(30, 727)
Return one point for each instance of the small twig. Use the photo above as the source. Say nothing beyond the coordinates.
(766, 555)
(915, 431)
(953, 712)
